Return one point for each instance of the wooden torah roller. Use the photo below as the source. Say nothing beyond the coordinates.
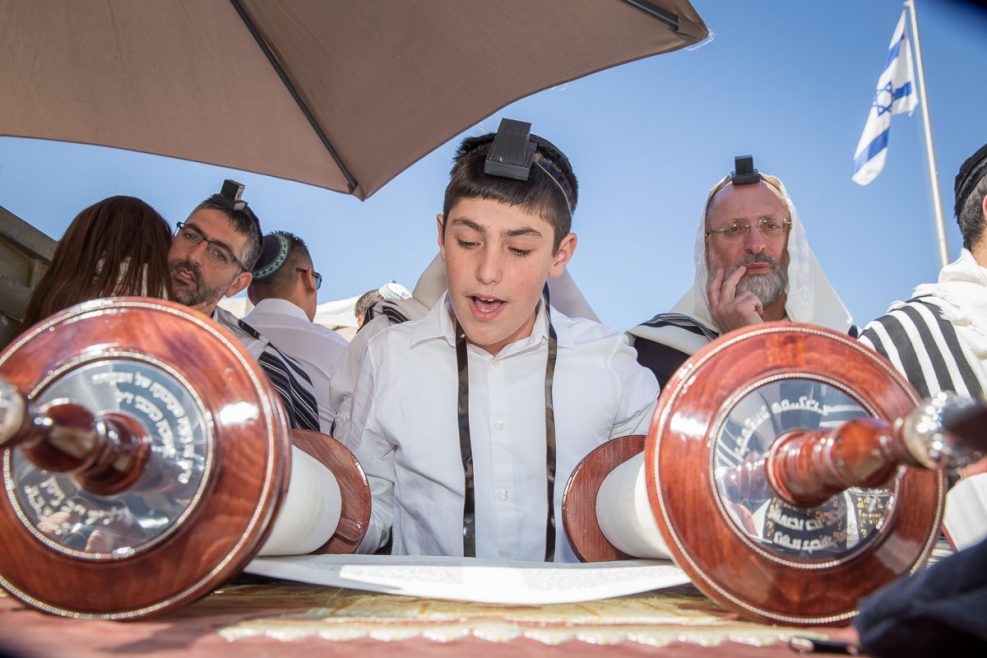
(782, 471)
(145, 462)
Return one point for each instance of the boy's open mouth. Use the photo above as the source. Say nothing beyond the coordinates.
(485, 306)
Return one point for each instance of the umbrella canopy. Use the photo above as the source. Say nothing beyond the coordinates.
(341, 94)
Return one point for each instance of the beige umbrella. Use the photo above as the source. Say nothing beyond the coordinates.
(342, 94)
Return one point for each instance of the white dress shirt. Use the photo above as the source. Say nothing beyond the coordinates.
(316, 347)
(404, 430)
(346, 372)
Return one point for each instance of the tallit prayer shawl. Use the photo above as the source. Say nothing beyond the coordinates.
(938, 339)
(287, 376)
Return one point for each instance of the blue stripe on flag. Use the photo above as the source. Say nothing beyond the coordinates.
(895, 49)
(877, 144)
(902, 91)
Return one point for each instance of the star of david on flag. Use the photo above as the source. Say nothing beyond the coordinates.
(896, 94)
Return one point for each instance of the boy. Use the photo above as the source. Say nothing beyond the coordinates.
(470, 420)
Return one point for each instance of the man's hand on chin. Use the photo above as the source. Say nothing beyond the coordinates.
(728, 309)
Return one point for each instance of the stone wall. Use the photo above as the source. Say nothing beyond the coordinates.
(25, 253)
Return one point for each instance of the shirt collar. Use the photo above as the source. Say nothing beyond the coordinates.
(220, 314)
(436, 324)
(283, 306)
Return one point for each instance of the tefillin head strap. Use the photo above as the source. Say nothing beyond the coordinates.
(273, 254)
(549, 167)
(465, 444)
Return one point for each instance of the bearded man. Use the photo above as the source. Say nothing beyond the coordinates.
(753, 265)
(212, 256)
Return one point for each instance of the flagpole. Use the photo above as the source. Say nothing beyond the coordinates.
(930, 153)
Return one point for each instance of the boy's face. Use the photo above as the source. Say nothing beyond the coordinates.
(498, 258)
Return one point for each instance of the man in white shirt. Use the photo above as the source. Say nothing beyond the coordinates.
(469, 421)
(284, 291)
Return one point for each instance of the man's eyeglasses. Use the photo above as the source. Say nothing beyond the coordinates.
(315, 275)
(220, 254)
(766, 226)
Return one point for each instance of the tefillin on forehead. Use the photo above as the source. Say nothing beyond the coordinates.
(512, 155)
(229, 197)
(744, 172)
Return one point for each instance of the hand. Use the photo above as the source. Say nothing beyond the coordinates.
(729, 310)
(974, 469)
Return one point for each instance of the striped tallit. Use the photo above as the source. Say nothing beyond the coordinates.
(682, 321)
(665, 341)
(926, 349)
(287, 376)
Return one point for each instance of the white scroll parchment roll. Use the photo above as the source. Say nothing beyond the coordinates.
(310, 511)
(624, 513)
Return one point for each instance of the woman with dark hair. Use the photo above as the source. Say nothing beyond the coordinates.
(118, 246)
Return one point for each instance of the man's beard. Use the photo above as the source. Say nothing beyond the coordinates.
(195, 293)
(766, 287)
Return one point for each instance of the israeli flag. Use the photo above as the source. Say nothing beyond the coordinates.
(896, 94)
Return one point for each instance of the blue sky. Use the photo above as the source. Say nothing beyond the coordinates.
(789, 82)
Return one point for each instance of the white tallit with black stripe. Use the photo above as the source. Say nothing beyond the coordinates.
(287, 376)
(938, 339)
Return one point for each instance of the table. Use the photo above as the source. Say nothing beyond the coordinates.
(245, 620)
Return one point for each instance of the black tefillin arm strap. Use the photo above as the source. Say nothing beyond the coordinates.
(465, 444)
(553, 352)
(466, 449)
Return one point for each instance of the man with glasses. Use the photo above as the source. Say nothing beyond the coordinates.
(211, 256)
(284, 290)
(753, 265)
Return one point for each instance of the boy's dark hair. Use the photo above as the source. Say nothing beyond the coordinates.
(281, 280)
(971, 187)
(244, 222)
(554, 200)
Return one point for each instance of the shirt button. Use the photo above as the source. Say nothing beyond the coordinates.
(499, 425)
(495, 363)
(503, 495)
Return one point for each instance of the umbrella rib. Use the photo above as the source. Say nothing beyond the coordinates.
(666, 17)
(244, 16)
